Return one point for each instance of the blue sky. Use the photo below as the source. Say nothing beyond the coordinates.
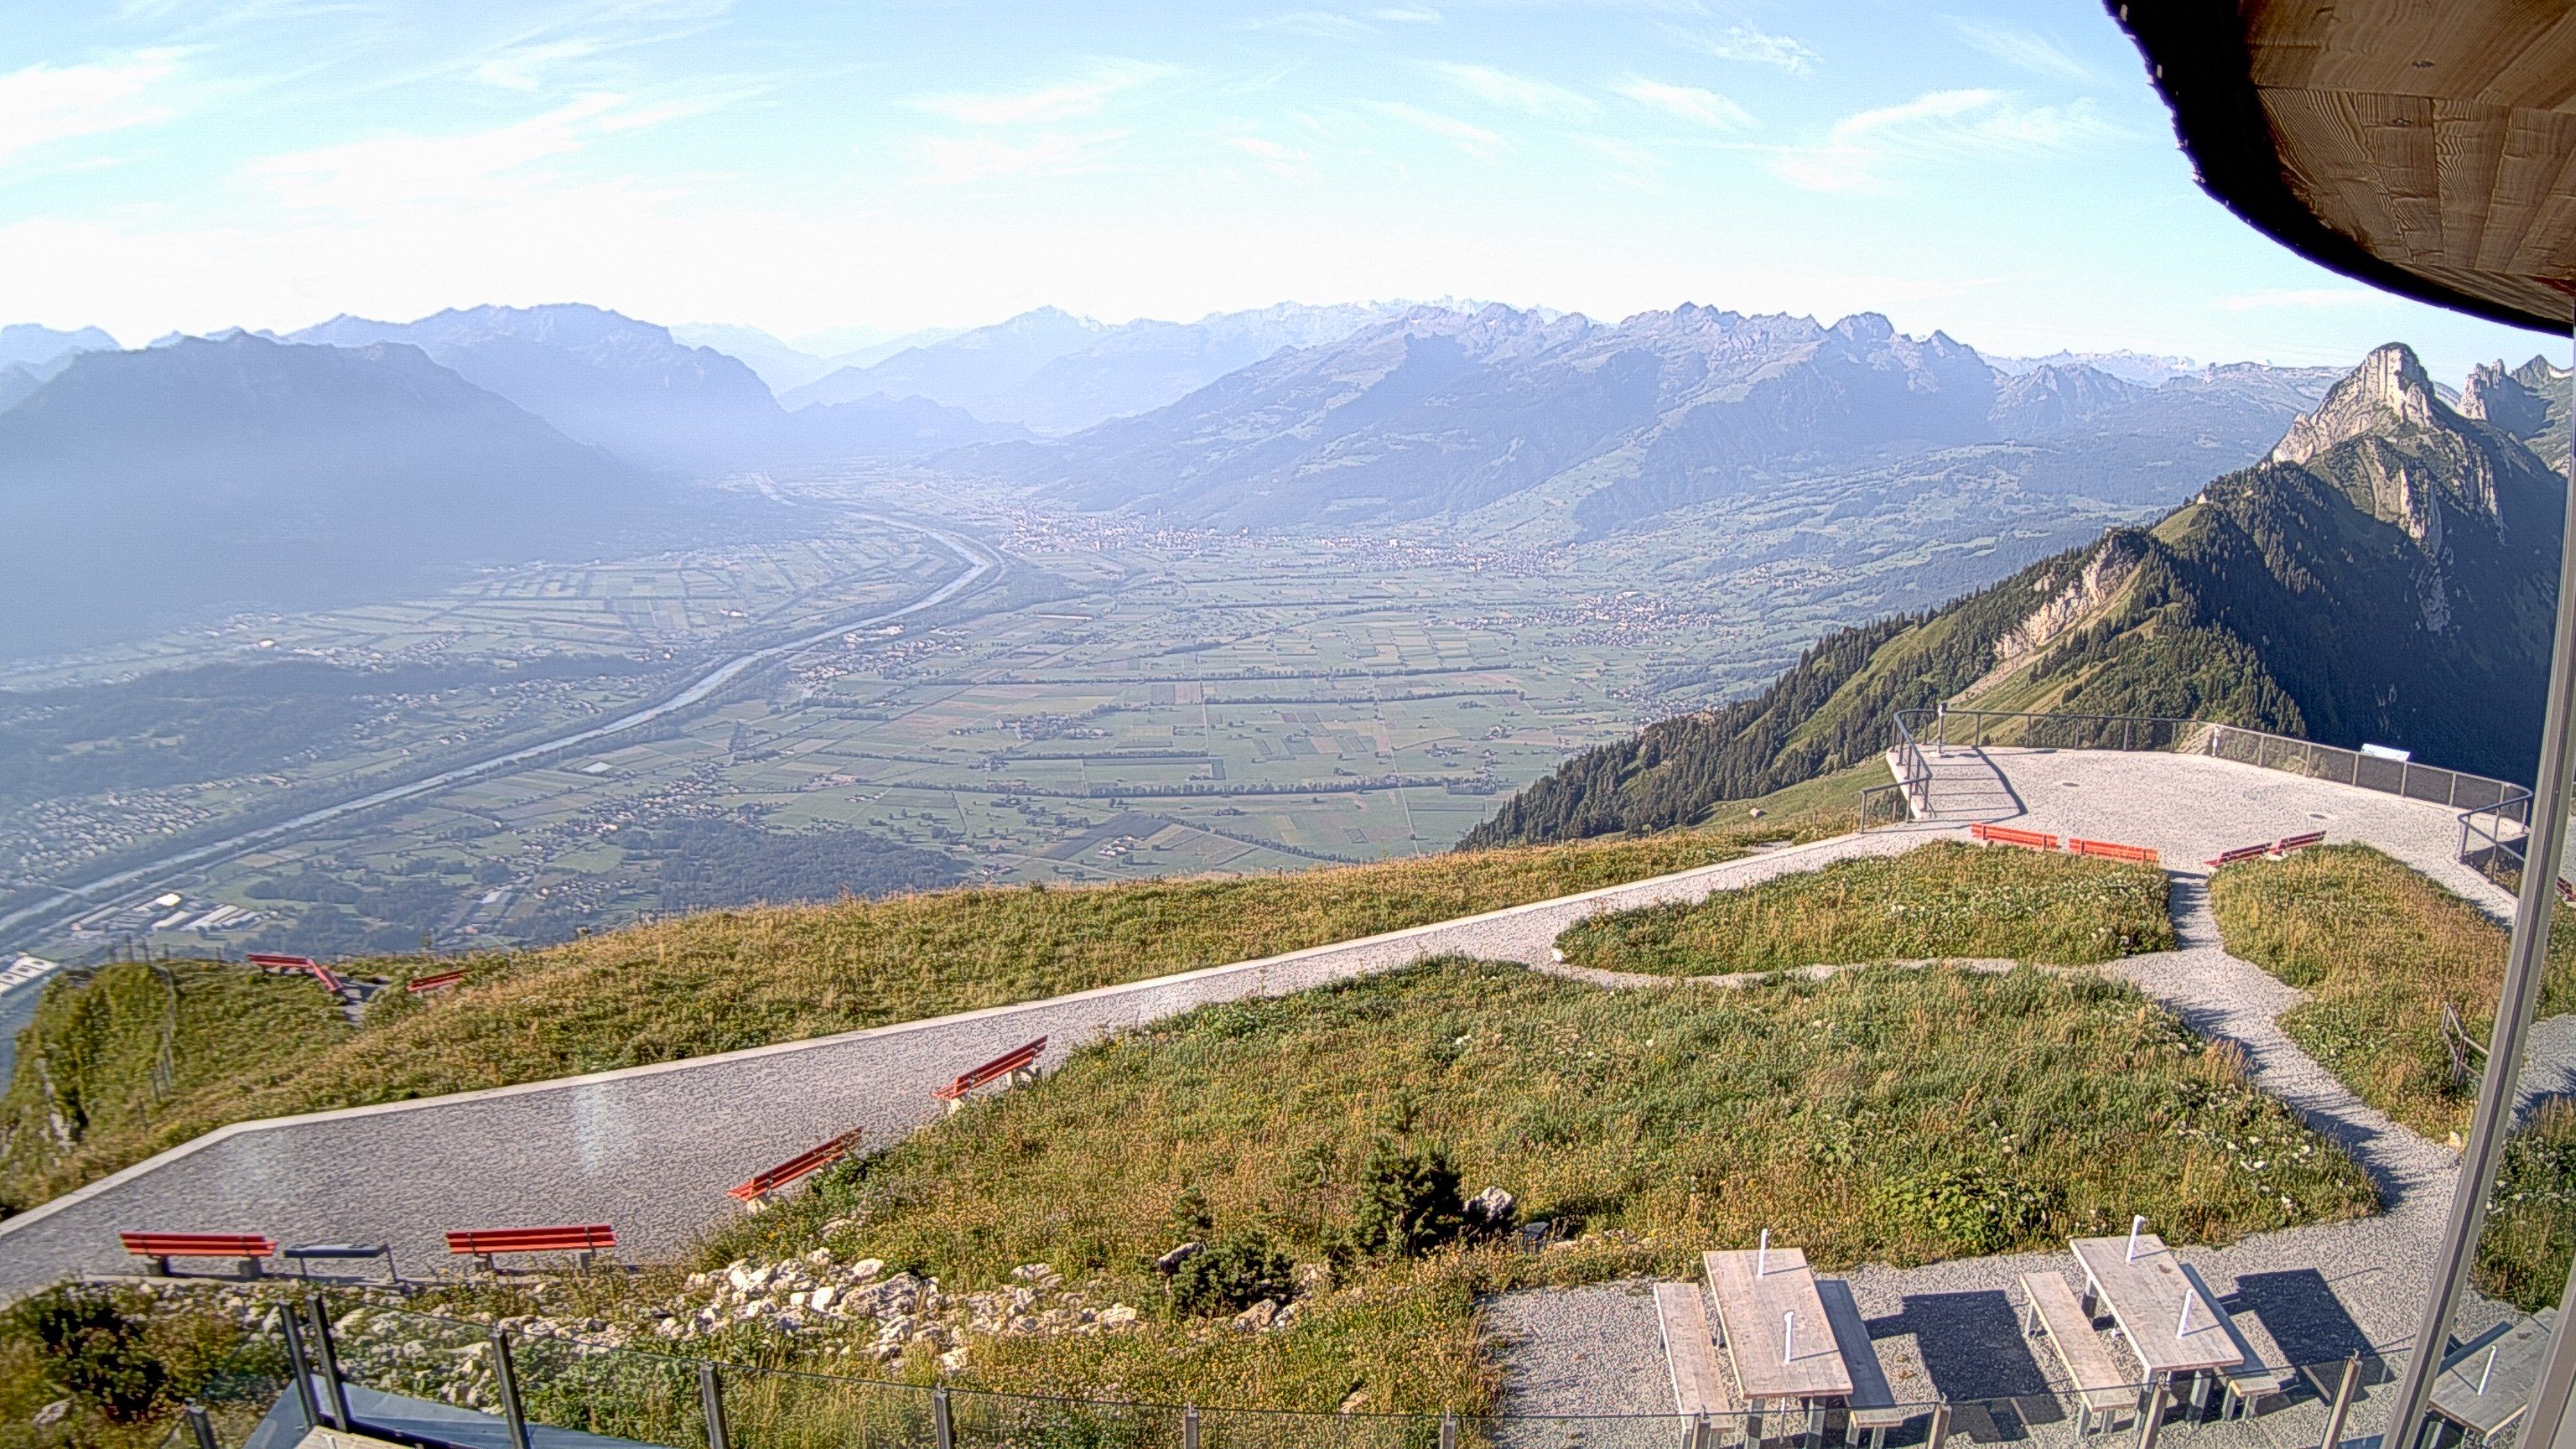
(2000, 171)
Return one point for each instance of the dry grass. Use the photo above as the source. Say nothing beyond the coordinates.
(2380, 950)
(2531, 1216)
(725, 980)
(1893, 1115)
(1943, 900)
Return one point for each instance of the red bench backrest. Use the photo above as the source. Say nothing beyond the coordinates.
(197, 1245)
(2290, 843)
(2242, 852)
(586, 1238)
(1008, 1062)
(803, 1164)
(330, 982)
(2112, 850)
(282, 963)
(2006, 835)
(420, 984)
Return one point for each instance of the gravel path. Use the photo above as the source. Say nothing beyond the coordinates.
(2305, 1295)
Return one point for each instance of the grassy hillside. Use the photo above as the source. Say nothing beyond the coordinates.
(731, 979)
(2380, 950)
(86, 1062)
(1943, 900)
(2531, 1216)
(1893, 1116)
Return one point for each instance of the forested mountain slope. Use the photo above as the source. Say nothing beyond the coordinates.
(2385, 575)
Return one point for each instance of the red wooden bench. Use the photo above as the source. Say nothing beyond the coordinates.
(272, 963)
(2006, 835)
(2241, 853)
(2112, 850)
(2288, 843)
(756, 1189)
(1012, 1064)
(482, 1243)
(423, 985)
(2566, 892)
(250, 1248)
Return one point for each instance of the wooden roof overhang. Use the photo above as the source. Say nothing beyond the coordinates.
(2423, 146)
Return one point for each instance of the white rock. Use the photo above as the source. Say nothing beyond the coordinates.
(53, 1413)
(1116, 1315)
(866, 1268)
(821, 1298)
(953, 1360)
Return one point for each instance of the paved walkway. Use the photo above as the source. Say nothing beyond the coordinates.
(2304, 1295)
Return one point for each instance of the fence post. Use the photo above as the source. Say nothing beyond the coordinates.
(1449, 1429)
(2333, 1435)
(942, 1427)
(505, 1376)
(1189, 1426)
(330, 1362)
(300, 1367)
(1939, 1429)
(711, 1403)
(200, 1428)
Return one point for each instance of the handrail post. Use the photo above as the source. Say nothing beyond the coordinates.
(711, 1404)
(505, 1377)
(943, 1428)
(1939, 1429)
(1449, 1429)
(200, 1428)
(301, 1367)
(324, 1350)
(1189, 1426)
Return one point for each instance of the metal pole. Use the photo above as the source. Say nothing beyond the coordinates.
(324, 1350)
(1189, 1426)
(506, 1376)
(302, 1369)
(2493, 1115)
(711, 1404)
(200, 1428)
(1449, 1429)
(942, 1427)
(1939, 1429)
(2332, 1438)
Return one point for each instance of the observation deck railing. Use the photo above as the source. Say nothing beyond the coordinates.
(2495, 815)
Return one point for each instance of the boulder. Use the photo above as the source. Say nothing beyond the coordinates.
(1171, 1262)
(1490, 1211)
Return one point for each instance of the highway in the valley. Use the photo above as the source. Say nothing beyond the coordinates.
(977, 565)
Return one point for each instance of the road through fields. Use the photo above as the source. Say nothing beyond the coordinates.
(977, 565)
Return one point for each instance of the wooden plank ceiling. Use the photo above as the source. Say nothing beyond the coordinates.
(2439, 135)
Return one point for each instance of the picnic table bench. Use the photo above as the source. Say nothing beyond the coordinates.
(2272, 848)
(2007, 835)
(2248, 1381)
(1017, 1064)
(1871, 1405)
(160, 1248)
(1772, 1323)
(1690, 1351)
(755, 1190)
(582, 1241)
(436, 981)
(2052, 1311)
(2485, 1384)
(2169, 1320)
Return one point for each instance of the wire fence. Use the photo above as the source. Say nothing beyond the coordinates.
(424, 1379)
(2495, 815)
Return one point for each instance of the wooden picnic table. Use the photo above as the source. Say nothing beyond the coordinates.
(2505, 1362)
(1754, 1313)
(2146, 1293)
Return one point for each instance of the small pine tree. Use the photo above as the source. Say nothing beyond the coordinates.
(1408, 1201)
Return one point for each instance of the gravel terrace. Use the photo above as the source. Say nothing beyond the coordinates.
(2305, 1295)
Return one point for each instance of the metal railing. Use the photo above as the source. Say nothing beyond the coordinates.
(406, 1375)
(2495, 814)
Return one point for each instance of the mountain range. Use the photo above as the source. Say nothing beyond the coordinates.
(1055, 373)
(1437, 413)
(2385, 574)
(152, 486)
(30, 354)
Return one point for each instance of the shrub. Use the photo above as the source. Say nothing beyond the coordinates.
(1234, 1273)
(1408, 1202)
(1976, 1209)
(95, 1352)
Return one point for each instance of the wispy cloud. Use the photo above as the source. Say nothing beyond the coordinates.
(1280, 157)
(2027, 49)
(1408, 15)
(1689, 103)
(1315, 25)
(2302, 297)
(1473, 139)
(1749, 43)
(46, 103)
(1520, 93)
(524, 67)
(1936, 127)
(951, 160)
(1061, 101)
(499, 163)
